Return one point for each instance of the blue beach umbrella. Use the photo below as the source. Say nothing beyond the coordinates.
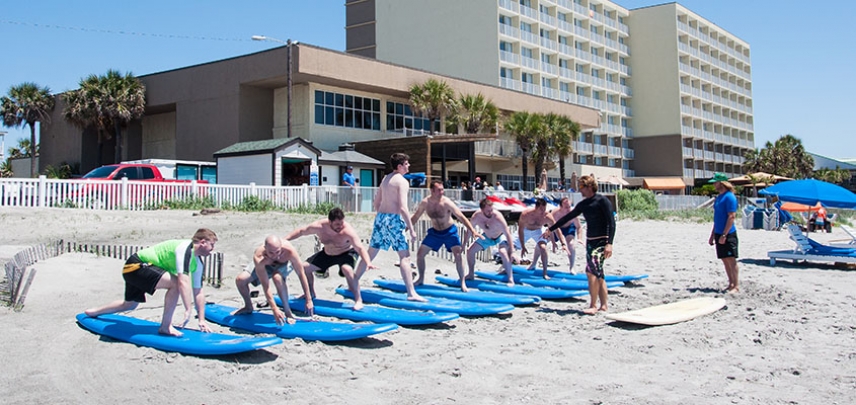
(811, 191)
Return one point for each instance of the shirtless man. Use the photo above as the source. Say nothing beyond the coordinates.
(271, 261)
(392, 219)
(495, 232)
(531, 225)
(569, 234)
(600, 232)
(443, 230)
(342, 247)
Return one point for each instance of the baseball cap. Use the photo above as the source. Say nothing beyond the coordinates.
(718, 177)
(350, 167)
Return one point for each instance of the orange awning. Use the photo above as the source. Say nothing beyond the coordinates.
(795, 207)
(664, 183)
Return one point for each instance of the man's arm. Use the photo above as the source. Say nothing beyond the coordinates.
(301, 274)
(520, 226)
(311, 229)
(461, 217)
(358, 246)
(403, 188)
(420, 209)
(378, 198)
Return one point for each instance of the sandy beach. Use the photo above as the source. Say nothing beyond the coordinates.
(788, 337)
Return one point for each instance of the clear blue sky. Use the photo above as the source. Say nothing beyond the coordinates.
(803, 54)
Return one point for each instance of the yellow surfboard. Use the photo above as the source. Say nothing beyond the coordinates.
(668, 314)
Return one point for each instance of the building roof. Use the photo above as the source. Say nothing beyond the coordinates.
(349, 157)
(264, 146)
(823, 162)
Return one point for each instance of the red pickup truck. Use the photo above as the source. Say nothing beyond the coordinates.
(98, 192)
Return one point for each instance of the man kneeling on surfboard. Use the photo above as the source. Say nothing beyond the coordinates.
(495, 232)
(342, 247)
(168, 265)
(273, 260)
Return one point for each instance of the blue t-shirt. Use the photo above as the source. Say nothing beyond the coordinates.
(724, 203)
(349, 179)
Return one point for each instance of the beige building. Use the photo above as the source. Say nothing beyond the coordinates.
(193, 112)
(673, 90)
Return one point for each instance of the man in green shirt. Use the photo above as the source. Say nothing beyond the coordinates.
(174, 265)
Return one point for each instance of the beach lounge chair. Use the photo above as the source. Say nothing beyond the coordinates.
(809, 250)
(851, 233)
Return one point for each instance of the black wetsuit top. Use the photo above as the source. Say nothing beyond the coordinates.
(599, 219)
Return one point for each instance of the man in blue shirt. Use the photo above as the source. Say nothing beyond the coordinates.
(724, 233)
(348, 177)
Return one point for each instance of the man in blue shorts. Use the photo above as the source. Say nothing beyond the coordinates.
(443, 231)
(392, 220)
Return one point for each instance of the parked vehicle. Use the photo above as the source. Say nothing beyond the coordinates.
(100, 187)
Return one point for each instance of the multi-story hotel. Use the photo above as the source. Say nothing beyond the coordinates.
(673, 89)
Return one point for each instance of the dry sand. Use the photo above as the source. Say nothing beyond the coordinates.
(788, 337)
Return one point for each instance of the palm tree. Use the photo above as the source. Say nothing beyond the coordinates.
(563, 131)
(837, 175)
(474, 114)
(27, 104)
(786, 157)
(433, 99)
(107, 103)
(524, 126)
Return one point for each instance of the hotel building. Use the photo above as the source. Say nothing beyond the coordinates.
(673, 89)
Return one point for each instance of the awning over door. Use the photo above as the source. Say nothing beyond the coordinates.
(663, 183)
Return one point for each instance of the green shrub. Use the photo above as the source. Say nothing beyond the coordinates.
(317, 209)
(254, 204)
(189, 203)
(636, 200)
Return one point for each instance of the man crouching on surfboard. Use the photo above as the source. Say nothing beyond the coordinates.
(168, 265)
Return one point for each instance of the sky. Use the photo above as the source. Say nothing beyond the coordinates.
(802, 54)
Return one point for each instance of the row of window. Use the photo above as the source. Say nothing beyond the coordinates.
(344, 110)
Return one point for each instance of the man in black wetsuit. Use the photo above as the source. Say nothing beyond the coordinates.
(600, 232)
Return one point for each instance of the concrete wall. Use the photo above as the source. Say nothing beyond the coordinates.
(659, 155)
(450, 37)
(159, 136)
(656, 99)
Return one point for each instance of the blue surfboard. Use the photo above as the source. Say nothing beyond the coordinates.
(399, 300)
(560, 283)
(371, 313)
(303, 328)
(484, 285)
(441, 291)
(564, 274)
(145, 333)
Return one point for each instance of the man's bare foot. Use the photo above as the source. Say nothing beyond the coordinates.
(470, 278)
(590, 311)
(417, 283)
(464, 288)
(546, 277)
(603, 309)
(244, 310)
(171, 331)
(732, 290)
(510, 283)
(358, 305)
(416, 297)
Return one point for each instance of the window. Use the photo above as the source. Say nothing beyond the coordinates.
(504, 19)
(581, 68)
(527, 78)
(563, 63)
(578, 45)
(595, 73)
(527, 3)
(399, 116)
(525, 27)
(562, 16)
(563, 40)
(345, 110)
(578, 23)
(526, 52)
(545, 58)
(506, 46)
(581, 91)
(506, 73)
(566, 87)
(545, 82)
(544, 33)
(595, 95)
(610, 98)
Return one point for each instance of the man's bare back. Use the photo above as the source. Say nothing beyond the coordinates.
(392, 194)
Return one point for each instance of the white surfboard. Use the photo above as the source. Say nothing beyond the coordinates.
(668, 314)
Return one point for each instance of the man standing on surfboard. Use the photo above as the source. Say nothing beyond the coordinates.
(443, 230)
(342, 247)
(724, 233)
(392, 220)
(273, 260)
(168, 265)
(531, 225)
(600, 224)
(495, 232)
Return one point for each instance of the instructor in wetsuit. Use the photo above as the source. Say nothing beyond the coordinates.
(600, 224)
